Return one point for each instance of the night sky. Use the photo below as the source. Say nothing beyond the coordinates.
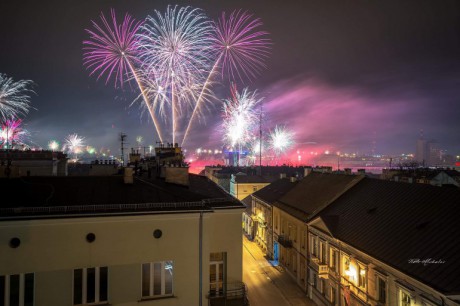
(342, 73)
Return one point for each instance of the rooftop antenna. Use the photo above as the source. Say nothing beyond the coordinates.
(122, 140)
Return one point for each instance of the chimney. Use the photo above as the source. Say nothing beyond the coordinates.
(347, 171)
(307, 171)
(128, 175)
(176, 175)
(282, 175)
(361, 171)
(293, 179)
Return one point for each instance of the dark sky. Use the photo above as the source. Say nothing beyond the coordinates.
(341, 73)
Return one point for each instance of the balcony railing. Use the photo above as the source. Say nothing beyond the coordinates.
(322, 268)
(234, 295)
(285, 242)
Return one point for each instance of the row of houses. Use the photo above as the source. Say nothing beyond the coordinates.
(354, 240)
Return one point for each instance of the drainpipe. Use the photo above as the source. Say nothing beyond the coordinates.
(200, 259)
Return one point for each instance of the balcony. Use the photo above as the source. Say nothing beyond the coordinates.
(234, 295)
(285, 242)
(322, 268)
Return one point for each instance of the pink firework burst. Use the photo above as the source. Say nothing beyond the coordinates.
(112, 48)
(12, 134)
(241, 45)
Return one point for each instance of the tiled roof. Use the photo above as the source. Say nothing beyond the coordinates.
(270, 193)
(395, 222)
(315, 192)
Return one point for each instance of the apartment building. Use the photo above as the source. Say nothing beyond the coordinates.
(386, 243)
(109, 241)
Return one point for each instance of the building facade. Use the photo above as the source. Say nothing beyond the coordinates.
(170, 252)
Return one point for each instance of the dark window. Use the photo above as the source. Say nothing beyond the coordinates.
(77, 286)
(146, 279)
(91, 285)
(29, 289)
(103, 283)
(2, 290)
(382, 291)
(14, 290)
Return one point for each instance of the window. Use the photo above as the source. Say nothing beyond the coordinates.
(314, 280)
(333, 262)
(217, 275)
(323, 287)
(323, 252)
(333, 295)
(404, 298)
(381, 290)
(362, 277)
(157, 279)
(90, 285)
(17, 290)
(314, 246)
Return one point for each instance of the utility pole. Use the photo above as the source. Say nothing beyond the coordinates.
(122, 140)
(260, 140)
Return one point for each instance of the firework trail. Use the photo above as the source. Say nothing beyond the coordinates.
(74, 144)
(53, 145)
(176, 46)
(14, 97)
(240, 51)
(113, 50)
(239, 117)
(280, 140)
(12, 133)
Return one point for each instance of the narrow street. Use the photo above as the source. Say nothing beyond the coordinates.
(266, 284)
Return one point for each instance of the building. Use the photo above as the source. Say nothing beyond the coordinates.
(354, 240)
(261, 212)
(386, 243)
(108, 240)
(15, 163)
(242, 185)
(292, 211)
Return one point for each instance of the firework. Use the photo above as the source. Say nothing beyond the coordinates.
(53, 145)
(14, 97)
(13, 134)
(113, 50)
(240, 116)
(280, 140)
(74, 144)
(240, 50)
(176, 47)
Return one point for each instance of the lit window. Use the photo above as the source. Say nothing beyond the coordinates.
(12, 286)
(362, 277)
(333, 260)
(90, 285)
(157, 279)
(404, 298)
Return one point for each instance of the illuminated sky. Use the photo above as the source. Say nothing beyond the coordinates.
(341, 73)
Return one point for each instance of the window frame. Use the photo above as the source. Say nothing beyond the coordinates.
(22, 288)
(151, 279)
(84, 286)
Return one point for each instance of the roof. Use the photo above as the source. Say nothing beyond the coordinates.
(253, 179)
(395, 222)
(315, 192)
(247, 201)
(103, 191)
(270, 193)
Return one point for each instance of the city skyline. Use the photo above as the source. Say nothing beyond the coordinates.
(341, 75)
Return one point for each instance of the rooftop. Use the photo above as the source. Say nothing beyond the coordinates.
(107, 195)
(395, 222)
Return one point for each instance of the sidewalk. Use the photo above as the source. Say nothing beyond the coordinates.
(279, 277)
